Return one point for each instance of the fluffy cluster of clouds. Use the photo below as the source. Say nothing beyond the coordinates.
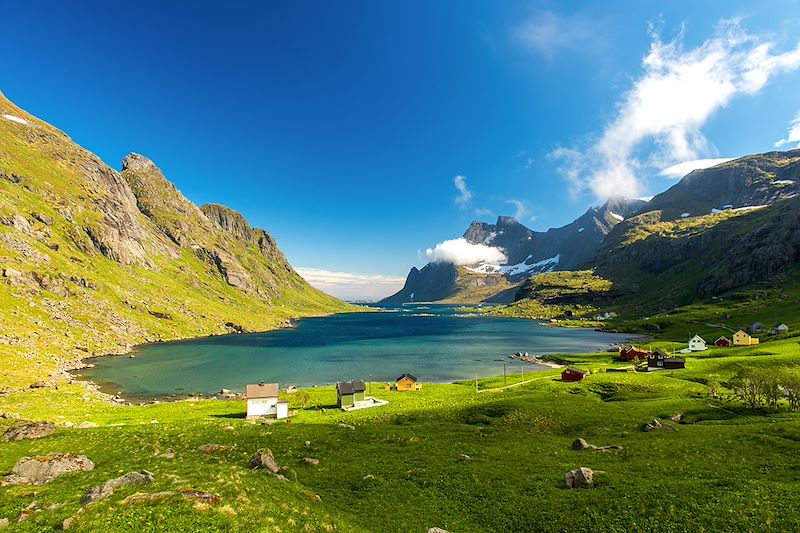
(792, 134)
(668, 105)
(460, 252)
(350, 286)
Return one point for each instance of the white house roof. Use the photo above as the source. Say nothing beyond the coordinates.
(697, 338)
(262, 390)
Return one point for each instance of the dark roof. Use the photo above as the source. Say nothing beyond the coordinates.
(262, 390)
(659, 351)
(575, 370)
(351, 387)
(407, 375)
(345, 387)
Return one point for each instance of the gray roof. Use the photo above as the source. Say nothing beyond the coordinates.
(350, 387)
(262, 390)
(407, 375)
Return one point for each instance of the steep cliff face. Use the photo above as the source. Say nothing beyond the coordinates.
(94, 260)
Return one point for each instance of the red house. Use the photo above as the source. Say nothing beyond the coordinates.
(722, 342)
(572, 374)
(632, 353)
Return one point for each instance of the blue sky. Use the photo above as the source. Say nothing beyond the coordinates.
(341, 127)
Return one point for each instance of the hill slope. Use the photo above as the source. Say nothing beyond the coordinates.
(94, 260)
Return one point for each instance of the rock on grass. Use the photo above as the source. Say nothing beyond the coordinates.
(43, 469)
(28, 430)
(107, 489)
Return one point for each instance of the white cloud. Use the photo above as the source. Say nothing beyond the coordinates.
(460, 252)
(547, 33)
(792, 133)
(681, 169)
(481, 212)
(350, 286)
(464, 198)
(663, 112)
(521, 209)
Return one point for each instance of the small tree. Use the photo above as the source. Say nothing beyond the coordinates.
(790, 380)
(713, 385)
(745, 386)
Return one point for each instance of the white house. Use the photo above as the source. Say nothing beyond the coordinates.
(262, 400)
(780, 328)
(697, 344)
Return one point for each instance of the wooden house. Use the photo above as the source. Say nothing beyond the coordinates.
(722, 342)
(757, 327)
(632, 353)
(572, 374)
(697, 344)
(742, 338)
(407, 382)
(262, 400)
(674, 363)
(350, 392)
(777, 329)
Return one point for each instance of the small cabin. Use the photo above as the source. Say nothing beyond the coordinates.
(777, 329)
(742, 338)
(697, 344)
(674, 363)
(757, 327)
(350, 392)
(632, 353)
(572, 374)
(655, 361)
(262, 401)
(722, 342)
(407, 382)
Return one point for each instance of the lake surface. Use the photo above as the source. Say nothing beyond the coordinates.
(431, 342)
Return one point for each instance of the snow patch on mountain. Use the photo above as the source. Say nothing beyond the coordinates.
(18, 120)
(618, 217)
(545, 265)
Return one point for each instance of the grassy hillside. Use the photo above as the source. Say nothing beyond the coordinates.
(725, 467)
(90, 266)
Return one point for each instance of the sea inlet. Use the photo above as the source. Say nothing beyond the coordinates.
(435, 343)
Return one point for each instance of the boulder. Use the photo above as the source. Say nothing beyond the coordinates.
(86, 425)
(43, 469)
(264, 459)
(580, 478)
(211, 448)
(3, 523)
(342, 425)
(107, 489)
(29, 430)
(464, 457)
(580, 444)
(437, 530)
(311, 461)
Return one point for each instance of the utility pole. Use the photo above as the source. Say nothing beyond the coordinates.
(369, 384)
(476, 382)
(504, 375)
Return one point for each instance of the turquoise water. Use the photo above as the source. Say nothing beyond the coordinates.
(432, 343)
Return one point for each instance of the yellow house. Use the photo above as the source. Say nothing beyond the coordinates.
(407, 382)
(741, 338)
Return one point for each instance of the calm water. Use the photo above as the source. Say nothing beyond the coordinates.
(432, 343)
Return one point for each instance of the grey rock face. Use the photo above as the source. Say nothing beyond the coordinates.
(107, 489)
(264, 459)
(43, 469)
(580, 478)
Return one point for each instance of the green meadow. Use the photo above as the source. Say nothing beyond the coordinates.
(725, 467)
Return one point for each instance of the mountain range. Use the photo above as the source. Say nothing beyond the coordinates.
(95, 260)
(708, 221)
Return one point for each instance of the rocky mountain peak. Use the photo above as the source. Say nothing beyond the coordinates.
(139, 163)
(229, 220)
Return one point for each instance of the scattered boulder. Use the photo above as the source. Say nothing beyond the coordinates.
(146, 497)
(211, 448)
(656, 425)
(342, 425)
(580, 478)
(42, 469)
(3, 523)
(580, 445)
(107, 489)
(263, 459)
(369, 478)
(29, 430)
(41, 384)
(311, 461)
(464, 457)
(168, 454)
(200, 495)
(86, 425)
(437, 530)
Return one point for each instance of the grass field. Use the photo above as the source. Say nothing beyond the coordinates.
(724, 468)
